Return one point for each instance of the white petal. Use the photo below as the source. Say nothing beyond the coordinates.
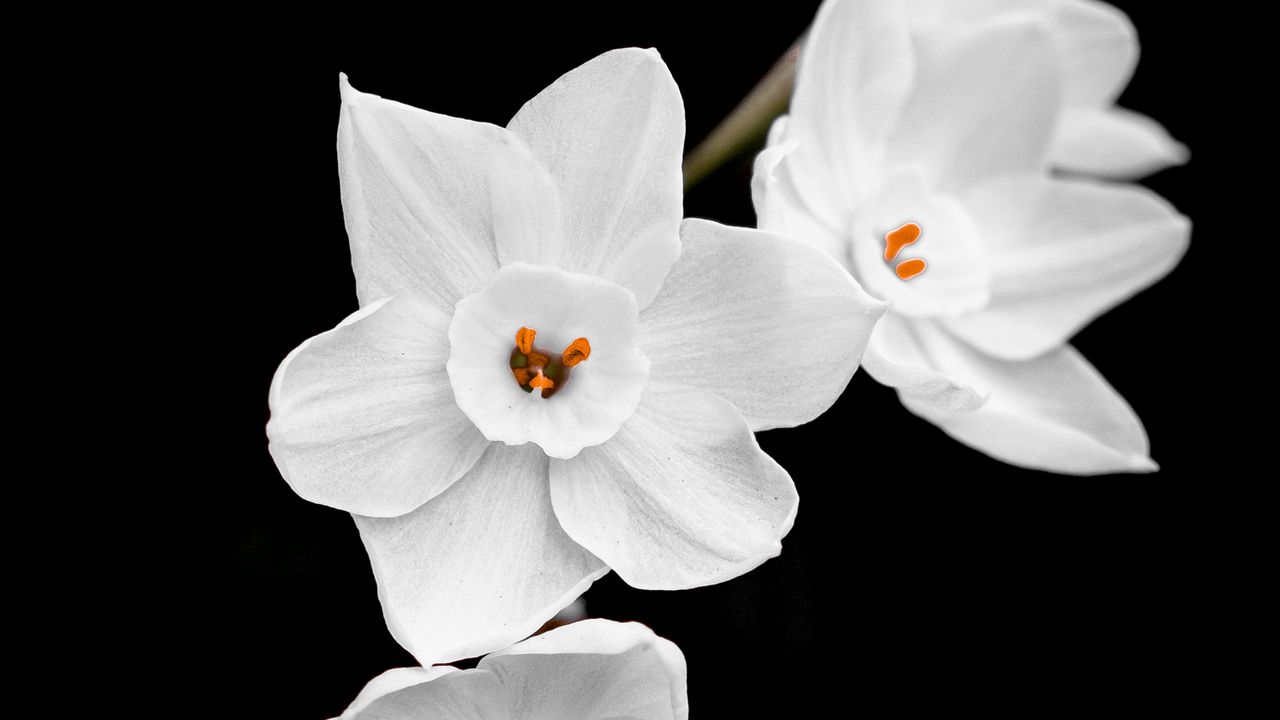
(1114, 143)
(422, 194)
(389, 682)
(1100, 51)
(612, 133)
(899, 355)
(363, 417)
(439, 693)
(1096, 41)
(594, 669)
(773, 326)
(681, 497)
(480, 566)
(985, 103)
(1054, 412)
(779, 205)
(854, 75)
(956, 279)
(1063, 252)
(601, 392)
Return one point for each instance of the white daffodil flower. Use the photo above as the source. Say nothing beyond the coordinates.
(935, 125)
(590, 670)
(551, 375)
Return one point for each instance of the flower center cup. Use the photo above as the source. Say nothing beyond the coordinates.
(537, 369)
(562, 400)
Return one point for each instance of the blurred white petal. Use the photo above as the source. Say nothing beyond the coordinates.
(1063, 252)
(854, 75)
(1115, 143)
(985, 103)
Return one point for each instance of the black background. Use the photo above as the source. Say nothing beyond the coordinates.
(960, 583)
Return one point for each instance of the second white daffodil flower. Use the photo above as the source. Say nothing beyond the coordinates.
(936, 124)
(551, 375)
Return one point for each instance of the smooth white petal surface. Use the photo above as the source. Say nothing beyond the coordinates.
(389, 682)
(956, 277)
(601, 392)
(594, 669)
(900, 355)
(612, 133)
(681, 497)
(854, 75)
(423, 194)
(1114, 143)
(1096, 41)
(985, 103)
(480, 566)
(1063, 252)
(363, 416)
(438, 693)
(1054, 412)
(779, 205)
(773, 326)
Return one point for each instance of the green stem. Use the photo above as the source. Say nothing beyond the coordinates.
(749, 122)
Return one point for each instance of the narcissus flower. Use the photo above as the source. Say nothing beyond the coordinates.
(551, 374)
(590, 670)
(933, 126)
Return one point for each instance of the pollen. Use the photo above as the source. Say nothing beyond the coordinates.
(896, 239)
(536, 369)
(577, 351)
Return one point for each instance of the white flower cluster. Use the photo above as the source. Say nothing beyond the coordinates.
(543, 381)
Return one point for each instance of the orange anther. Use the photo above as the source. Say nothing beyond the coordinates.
(895, 240)
(908, 269)
(524, 339)
(577, 351)
(542, 382)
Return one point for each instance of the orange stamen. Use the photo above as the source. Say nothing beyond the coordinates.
(896, 239)
(908, 269)
(542, 382)
(577, 351)
(524, 339)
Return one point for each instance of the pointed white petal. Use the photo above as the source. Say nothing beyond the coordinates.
(424, 194)
(363, 417)
(681, 497)
(612, 133)
(1114, 143)
(779, 204)
(773, 326)
(480, 566)
(594, 669)
(1054, 412)
(1063, 252)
